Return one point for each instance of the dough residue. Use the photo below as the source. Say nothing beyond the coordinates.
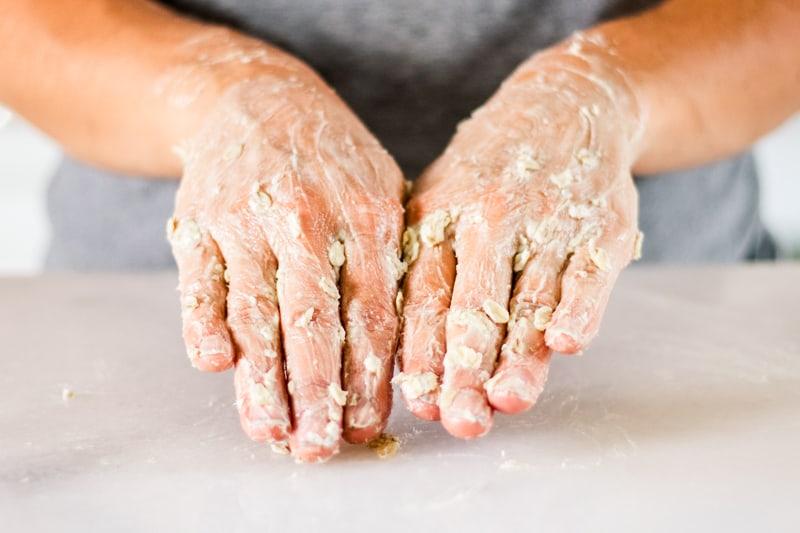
(336, 254)
(464, 356)
(384, 445)
(600, 258)
(433, 226)
(232, 151)
(495, 311)
(416, 384)
(542, 317)
(338, 395)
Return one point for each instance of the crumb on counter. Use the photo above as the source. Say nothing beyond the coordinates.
(384, 445)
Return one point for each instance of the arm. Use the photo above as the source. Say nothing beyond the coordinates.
(288, 217)
(118, 84)
(534, 203)
(711, 77)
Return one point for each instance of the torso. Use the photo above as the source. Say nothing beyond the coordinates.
(411, 71)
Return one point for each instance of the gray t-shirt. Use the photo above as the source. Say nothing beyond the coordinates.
(411, 71)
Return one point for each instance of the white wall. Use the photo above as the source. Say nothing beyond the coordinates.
(779, 163)
(27, 159)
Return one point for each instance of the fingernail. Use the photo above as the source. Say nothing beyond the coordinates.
(563, 341)
(513, 391)
(212, 354)
(466, 413)
(424, 409)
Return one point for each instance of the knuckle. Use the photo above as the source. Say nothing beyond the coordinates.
(526, 302)
(243, 308)
(373, 321)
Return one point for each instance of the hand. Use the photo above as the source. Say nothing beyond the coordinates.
(515, 237)
(287, 233)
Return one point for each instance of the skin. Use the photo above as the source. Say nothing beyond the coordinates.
(543, 217)
(268, 191)
(276, 171)
(641, 94)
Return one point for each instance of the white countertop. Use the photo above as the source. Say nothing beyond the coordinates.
(684, 415)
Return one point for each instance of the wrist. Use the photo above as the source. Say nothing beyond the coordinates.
(208, 67)
(586, 70)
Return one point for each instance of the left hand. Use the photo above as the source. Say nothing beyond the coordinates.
(516, 235)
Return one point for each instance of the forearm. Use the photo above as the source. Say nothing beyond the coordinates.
(709, 76)
(119, 83)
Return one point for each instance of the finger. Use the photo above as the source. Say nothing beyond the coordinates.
(524, 357)
(253, 319)
(369, 281)
(475, 326)
(203, 291)
(312, 340)
(585, 288)
(428, 289)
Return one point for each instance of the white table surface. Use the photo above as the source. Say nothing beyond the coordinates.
(684, 415)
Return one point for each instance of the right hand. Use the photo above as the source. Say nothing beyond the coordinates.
(286, 233)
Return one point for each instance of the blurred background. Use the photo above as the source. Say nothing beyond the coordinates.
(28, 159)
